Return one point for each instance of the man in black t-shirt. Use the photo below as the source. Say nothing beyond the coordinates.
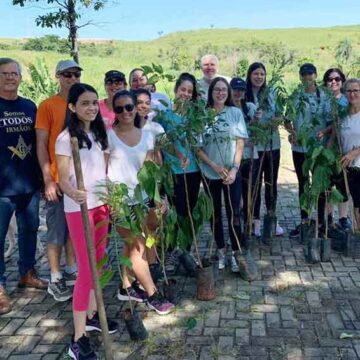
(19, 178)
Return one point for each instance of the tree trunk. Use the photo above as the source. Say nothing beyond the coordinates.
(73, 35)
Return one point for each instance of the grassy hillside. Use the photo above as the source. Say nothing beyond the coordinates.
(179, 51)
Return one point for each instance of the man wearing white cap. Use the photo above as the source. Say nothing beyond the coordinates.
(50, 121)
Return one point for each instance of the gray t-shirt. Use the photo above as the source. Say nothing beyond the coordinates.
(309, 106)
(350, 136)
(268, 114)
(219, 140)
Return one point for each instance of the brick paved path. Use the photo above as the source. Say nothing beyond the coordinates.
(294, 311)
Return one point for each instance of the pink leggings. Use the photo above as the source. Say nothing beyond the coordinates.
(84, 281)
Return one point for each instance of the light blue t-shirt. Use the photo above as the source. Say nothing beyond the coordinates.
(268, 114)
(219, 139)
(170, 122)
(309, 106)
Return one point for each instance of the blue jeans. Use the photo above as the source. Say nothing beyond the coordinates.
(26, 208)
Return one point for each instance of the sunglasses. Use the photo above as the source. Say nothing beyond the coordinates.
(115, 82)
(127, 107)
(337, 79)
(70, 74)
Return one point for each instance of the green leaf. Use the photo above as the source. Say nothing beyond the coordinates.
(150, 241)
(100, 264)
(105, 278)
(153, 79)
(147, 69)
(191, 323)
(335, 196)
(125, 261)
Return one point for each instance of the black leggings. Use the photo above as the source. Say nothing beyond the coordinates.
(265, 172)
(217, 188)
(299, 159)
(245, 175)
(179, 200)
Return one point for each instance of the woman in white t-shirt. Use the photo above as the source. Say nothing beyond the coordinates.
(86, 124)
(350, 143)
(129, 147)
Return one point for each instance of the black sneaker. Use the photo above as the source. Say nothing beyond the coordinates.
(158, 303)
(130, 292)
(81, 349)
(94, 324)
(345, 224)
(59, 290)
(295, 233)
(142, 293)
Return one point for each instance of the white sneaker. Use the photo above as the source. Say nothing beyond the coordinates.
(279, 230)
(221, 256)
(257, 225)
(234, 264)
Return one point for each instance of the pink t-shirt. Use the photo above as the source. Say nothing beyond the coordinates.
(107, 115)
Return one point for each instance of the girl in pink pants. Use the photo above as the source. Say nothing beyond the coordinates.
(85, 123)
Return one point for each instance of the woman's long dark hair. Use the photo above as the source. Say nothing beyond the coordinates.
(245, 110)
(131, 95)
(249, 96)
(210, 100)
(76, 126)
(329, 71)
(187, 77)
(137, 93)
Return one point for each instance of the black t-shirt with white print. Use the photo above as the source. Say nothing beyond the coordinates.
(19, 169)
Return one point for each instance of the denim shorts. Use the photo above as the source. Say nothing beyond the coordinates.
(57, 230)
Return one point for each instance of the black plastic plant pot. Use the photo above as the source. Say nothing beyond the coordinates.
(338, 239)
(269, 229)
(312, 250)
(325, 250)
(205, 282)
(171, 291)
(189, 264)
(135, 325)
(352, 248)
(307, 232)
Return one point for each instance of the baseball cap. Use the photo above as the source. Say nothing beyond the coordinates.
(238, 84)
(114, 74)
(307, 69)
(63, 65)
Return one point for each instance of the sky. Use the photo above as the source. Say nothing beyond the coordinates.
(146, 20)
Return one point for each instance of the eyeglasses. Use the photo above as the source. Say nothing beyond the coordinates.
(220, 90)
(70, 74)
(354, 91)
(9, 74)
(337, 79)
(115, 82)
(127, 107)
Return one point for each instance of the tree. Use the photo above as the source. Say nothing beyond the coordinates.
(66, 13)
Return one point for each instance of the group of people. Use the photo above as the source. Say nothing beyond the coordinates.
(116, 135)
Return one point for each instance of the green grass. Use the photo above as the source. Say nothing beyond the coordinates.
(315, 44)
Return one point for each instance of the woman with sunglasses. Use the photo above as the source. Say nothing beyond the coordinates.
(310, 112)
(220, 153)
(129, 147)
(84, 122)
(350, 143)
(269, 153)
(114, 81)
(334, 79)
